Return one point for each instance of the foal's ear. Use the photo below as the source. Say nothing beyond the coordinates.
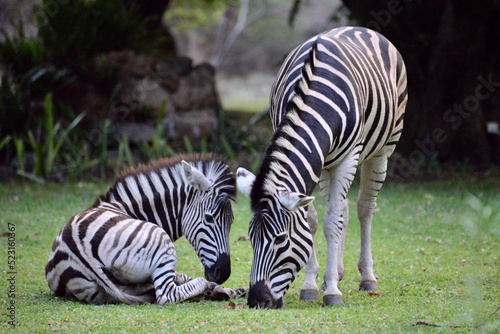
(244, 180)
(292, 201)
(195, 178)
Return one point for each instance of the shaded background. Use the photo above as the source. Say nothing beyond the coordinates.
(90, 86)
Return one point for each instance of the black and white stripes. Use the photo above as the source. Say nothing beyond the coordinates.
(121, 248)
(338, 101)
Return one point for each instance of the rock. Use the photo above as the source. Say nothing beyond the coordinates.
(194, 124)
(189, 94)
(135, 132)
(197, 90)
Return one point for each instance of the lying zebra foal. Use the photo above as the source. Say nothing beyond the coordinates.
(121, 248)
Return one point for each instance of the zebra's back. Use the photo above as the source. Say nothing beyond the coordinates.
(361, 78)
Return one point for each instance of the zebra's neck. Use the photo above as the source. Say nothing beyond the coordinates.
(158, 197)
(292, 162)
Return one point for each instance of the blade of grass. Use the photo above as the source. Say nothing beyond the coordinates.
(5, 141)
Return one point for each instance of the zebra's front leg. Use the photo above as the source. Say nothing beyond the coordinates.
(181, 278)
(309, 290)
(168, 291)
(333, 227)
(373, 174)
(169, 285)
(218, 293)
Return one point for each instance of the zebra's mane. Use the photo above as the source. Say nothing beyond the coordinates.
(263, 181)
(217, 169)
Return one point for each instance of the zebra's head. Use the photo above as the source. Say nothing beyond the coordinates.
(281, 241)
(208, 219)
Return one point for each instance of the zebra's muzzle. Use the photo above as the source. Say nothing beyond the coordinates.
(220, 271)
(260, 296)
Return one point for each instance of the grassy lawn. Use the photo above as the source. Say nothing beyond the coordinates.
(437, 260)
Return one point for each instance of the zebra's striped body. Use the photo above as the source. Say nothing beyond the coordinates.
(338, 101)
(121, 248)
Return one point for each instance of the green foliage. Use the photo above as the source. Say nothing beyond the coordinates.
(20, 53)
(249, 137)
(158, 147)
(21, 97)
(228, 149)
(13, 110)
(78, 161)
(125, 157)
(188, 144)
(196, 14)
(19, 143)
(103, 144)
(25, 81)
(79, 30)
(5, 141)
(47, 143)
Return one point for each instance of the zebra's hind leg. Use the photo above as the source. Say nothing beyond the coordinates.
(373, 174)
(146, 291)
(87, 290)
(340, 258)
(309, 290)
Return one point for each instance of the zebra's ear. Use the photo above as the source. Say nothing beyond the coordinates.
(292, 201)
(195, 178)
(244, 180)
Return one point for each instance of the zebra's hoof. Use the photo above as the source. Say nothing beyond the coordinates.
(217, 294)
(332, 300)
(241, 292)
(309, 294)
(368, 286)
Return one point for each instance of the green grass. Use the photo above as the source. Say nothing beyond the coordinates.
(437, 261)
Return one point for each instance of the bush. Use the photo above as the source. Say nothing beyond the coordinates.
(77, 31)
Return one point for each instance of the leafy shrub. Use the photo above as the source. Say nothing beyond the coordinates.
(78, 30)
(26, 79)
(21, 97)
(47, 143)
(19, 53)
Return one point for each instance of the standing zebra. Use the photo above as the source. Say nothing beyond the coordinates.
(338, 101)
(121, 248)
